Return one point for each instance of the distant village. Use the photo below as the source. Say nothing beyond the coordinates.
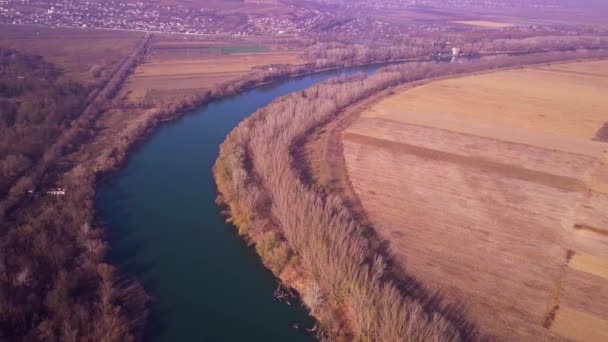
(152, 18)
(140, 16)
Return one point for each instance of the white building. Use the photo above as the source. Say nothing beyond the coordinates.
(57, 192)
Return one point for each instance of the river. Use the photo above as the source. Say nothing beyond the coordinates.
(165, 229)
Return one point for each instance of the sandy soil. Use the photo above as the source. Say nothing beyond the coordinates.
(491, 190)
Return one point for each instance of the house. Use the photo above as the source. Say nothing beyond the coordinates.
(56, 192)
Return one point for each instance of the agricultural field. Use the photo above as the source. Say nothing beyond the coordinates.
(175, 68)
(492, 189)
(484, 23)
(85, 54)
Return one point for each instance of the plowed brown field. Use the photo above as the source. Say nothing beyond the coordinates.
(492, 190)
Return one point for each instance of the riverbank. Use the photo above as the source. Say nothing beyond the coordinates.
(166, 230)
(118, 132)
(259, 180)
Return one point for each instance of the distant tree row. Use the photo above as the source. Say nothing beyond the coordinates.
(331, 54)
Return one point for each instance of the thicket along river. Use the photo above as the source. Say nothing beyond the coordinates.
(165, 228)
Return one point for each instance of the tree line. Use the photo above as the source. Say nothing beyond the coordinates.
(54, 282)
(296, 225)
(332, 54)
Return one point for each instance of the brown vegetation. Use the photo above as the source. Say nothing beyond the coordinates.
(259, 179)
(330, 54)
(54, 284)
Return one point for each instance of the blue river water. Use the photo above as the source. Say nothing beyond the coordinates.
(165, 228)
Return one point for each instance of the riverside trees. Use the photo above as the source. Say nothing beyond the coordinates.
(259, 178)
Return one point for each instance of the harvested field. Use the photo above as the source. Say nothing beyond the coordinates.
(536, 100)
(484, 23)
(169, 71)
(492, 191)
(580, 326)
(590, 264)
(408, 16)
(215, 64)
(188, 50)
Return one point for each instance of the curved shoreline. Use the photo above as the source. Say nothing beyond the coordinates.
(244, 216)
(110, 164)
(200, 135)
